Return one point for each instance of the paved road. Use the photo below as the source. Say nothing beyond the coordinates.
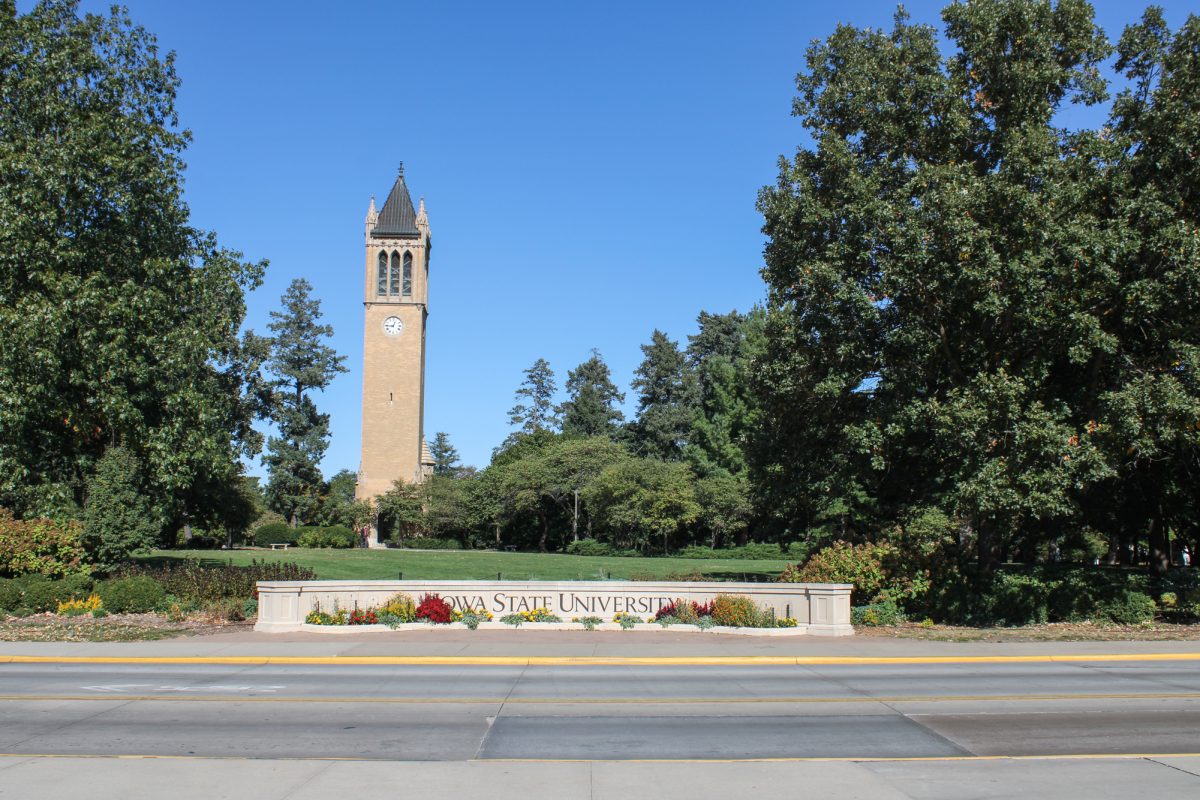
(440, 713)
(961, 731)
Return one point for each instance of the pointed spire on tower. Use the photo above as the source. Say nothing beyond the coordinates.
(372, 214)
(422, 217)
(397, 217)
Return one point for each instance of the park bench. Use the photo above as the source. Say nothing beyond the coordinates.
(281, 545)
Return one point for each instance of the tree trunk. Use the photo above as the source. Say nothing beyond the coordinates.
(545, 533)
(987, 553)
(1160, 545)
(1114, 547)
(1123, 552)
(496, 527)
(575, 519)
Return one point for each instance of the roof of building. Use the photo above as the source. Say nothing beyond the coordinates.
(397, 217)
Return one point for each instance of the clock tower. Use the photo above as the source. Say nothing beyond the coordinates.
(396, 295)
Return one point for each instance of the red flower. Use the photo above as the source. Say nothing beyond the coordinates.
(434, 609)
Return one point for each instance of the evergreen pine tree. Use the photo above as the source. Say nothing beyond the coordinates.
(445, 455)
(299, 364)
(663, 383)
(535, 410)
(590, 408)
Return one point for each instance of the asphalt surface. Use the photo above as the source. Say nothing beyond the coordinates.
(1099, 728)
(459, 713)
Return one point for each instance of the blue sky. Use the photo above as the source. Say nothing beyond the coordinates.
(590, 170)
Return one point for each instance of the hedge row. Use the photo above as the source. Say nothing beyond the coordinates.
(336, 536)
(34, 594)
(139, 589)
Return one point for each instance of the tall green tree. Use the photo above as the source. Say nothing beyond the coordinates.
(665, 399)
(118, 319)
(534, 410)
(453, 508)
(721, 356)
(972, 308)
(445, 456)
(299, 365)
(643, 502)
(1144, 387)
(591, 405)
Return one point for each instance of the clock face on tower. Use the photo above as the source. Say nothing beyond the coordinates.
(393, 326)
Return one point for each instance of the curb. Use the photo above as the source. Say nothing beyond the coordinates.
(569, 661)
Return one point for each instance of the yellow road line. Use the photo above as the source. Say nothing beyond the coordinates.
(778, 760)
(533, 661)
(233, 698)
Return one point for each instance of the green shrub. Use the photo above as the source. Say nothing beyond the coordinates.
(10, 595)
(340, 536)
(735, 611)
(134, 595)
(271, 533)
(759, 550)
(797, 551)
(200, 583)
(753, 550)
(1015, 599)
(884, 613)
(429, 543)
(119, 518)
(1129, 608)
(591, 547)
(39, 594)
(841, 562)
(40, 547)
(78, 586)
(335, 536)
(174, 608)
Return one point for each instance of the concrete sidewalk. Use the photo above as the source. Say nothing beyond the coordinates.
(465, 644)
(262, 779)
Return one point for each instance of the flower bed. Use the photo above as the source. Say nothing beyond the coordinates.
(724, 614)
(818, 609)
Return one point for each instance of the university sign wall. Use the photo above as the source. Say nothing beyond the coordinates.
(818, 608)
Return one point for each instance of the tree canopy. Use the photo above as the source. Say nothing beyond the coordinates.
(974, 308)
(118, 319)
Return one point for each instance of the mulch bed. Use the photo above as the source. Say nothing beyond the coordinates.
(113, 628)
(1051, 632)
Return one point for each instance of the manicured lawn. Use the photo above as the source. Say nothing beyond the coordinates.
(483, 565)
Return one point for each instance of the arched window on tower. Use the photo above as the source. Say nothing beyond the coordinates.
(395, 281)
(407, 274)
(381, 286)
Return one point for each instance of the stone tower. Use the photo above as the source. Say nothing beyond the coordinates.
(396, 297)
